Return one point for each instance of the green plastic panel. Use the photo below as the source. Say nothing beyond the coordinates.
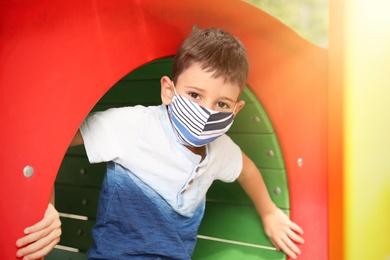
(76, 151)
(77, 200)
(145, 92)
(275, 181)
(235, 222)
(250, 119)
(153, 70)
(263, 149)
(78, 171)
(76, 233)
(212, 250)
(227, 193)
(59, 254)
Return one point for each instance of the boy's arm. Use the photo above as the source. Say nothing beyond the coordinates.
(41, 238)
(278, 227)
(77, 139)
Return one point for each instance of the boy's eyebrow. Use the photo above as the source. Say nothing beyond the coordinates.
(195, 88)
(201, 90)
(229, 99)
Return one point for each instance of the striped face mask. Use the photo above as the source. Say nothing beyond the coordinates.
(195, 125)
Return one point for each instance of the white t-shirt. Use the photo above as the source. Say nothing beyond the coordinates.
(142, 140)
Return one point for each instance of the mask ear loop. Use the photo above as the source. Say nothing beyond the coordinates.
(174, 88)
(234, 110)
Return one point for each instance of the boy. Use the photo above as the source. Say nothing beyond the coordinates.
(163, 159)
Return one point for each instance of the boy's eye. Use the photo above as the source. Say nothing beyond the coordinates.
(194, 95)
(222, 105)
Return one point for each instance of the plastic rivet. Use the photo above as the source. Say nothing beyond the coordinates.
(82, 171)
(195, 27)
(270, 153)
(28, 171)
(277, 190)
(79, 232)
(300, 162)
(255, 119)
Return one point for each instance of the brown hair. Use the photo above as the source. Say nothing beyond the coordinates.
(217, 51)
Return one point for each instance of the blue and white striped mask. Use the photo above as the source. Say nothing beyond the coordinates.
(195, 125)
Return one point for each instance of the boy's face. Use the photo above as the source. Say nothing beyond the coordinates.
(199, 86)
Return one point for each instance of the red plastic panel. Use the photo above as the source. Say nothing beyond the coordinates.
(58, 58)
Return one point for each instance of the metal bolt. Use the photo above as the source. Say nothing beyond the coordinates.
(300, 162)
(84, 202)
(28, 171)
(255, 119)
(277, 190)
(270, 153)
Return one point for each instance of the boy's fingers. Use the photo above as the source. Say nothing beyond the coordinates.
(49, 217)
(287, 250)
(295, 237)
(43, 224)
(30, 238)
(292, 250)
(40, 247)
(48, 230)
(32, 253)
(296, 228)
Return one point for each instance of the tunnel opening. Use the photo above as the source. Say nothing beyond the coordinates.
(230, 229)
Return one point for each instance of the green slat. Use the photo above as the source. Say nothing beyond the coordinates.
(153, 70)
(227, 193)
(76, 233)
(78, 171)
(77, 200)
(277, 185)
(76, 150)
(248, 96)
(59, 254)
(275, 180)
(233, 222)
(257, 147)
(212, 250)
(146, 91)
(251, 119)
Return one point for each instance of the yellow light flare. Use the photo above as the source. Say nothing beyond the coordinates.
(367, 130)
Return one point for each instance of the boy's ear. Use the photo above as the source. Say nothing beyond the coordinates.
(167, 91)
(240, 104)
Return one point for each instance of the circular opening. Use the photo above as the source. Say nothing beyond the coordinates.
(230, 217)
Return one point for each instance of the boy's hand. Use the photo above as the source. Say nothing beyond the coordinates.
(283, 232)
(41, 237)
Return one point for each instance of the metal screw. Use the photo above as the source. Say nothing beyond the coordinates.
(255, 119)
(300, 162)
(270, 153)
(28, 171)
(277, 190)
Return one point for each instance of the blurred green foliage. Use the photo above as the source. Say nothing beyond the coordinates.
(309, 18)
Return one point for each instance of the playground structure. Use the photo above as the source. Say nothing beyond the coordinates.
(60, 58)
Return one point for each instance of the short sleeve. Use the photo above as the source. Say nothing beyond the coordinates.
(107, 134)
(227, 158)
